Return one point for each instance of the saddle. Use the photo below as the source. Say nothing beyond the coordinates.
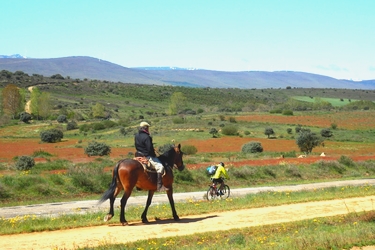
(147, 165)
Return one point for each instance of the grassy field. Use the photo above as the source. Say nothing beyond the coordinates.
(63, 172)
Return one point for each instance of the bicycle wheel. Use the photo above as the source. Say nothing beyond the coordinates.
(226, 191)
(211, 193)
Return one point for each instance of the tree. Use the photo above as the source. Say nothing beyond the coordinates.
(307, 140)
(34, 101)
(98, 110)
(178, 102)
(12, 100)
(45, 105)
(213, 132)
(268, 132)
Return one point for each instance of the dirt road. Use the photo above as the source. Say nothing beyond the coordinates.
(93, 236)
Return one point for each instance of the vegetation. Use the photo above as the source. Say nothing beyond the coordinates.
(110, 113)
(51, 135)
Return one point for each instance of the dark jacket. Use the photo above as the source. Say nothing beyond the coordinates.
(143, 143)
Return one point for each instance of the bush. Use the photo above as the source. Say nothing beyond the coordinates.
(287, 112)
(71, 125)
(252, 147)
(189, 149)
(25, 163)
(62, 119)
(326, 132)
(25, 117)
(347, 161)
(178, 120)
(51, 135)
(229, 130)
(96, 148)
(289, 130)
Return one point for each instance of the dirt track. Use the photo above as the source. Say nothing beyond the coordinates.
(93, 236)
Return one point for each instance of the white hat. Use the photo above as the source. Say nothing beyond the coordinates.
(144, 124)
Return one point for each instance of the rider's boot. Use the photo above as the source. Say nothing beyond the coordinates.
(159, 184)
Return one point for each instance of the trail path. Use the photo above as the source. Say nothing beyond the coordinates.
(93, 236)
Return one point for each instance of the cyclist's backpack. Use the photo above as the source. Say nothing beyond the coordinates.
(211, 170)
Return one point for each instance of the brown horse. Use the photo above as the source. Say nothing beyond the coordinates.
(130, 173)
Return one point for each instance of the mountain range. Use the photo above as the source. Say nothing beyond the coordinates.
(84, 67)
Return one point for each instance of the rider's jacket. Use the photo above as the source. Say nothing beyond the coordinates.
(143, 143)
(220, 172)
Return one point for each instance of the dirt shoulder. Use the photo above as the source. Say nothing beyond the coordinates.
(94, 236)
(111, 234)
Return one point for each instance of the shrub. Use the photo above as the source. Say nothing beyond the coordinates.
(326, 132)
(51, 135)
(62, 119)
(183, 176)
(276, 111)
(178, 120)
(189, 149)
(96, 148)
(287, 112)
(289, 130)
(252, 147)
(229, 130)
(98, 126)
(347, 161)
(25, 117)
(71, 125)
(232, 119)
(25, 163)
(4, 192)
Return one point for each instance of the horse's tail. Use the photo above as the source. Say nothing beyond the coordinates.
(111, 190)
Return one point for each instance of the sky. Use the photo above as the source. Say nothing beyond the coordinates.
(334, 38)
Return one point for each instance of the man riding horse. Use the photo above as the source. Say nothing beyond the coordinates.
(144, 146)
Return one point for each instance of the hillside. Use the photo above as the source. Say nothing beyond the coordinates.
(82, 67)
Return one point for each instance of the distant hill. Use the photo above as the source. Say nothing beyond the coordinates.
(82, 67)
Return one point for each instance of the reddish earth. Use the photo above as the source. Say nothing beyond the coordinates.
(72, 151)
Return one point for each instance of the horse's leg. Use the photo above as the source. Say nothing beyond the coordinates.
(171, 202)
(148, 203)
(124, 199)
(112, 199)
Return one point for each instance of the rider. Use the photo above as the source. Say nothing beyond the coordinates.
(143, 145)
(218, 176)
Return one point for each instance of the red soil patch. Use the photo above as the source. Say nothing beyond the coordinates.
(348, 120)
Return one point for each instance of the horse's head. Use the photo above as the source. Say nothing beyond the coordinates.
(173, 157)
(178, 162)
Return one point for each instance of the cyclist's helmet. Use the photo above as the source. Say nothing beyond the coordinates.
(222, 164)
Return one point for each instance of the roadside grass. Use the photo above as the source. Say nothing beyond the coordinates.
(338, 232)
(32, 223)
(61, 180)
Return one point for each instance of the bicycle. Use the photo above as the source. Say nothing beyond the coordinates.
(214, 192)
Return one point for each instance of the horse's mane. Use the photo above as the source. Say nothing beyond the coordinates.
(166, 157)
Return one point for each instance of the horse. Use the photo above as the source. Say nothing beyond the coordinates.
(130, 173)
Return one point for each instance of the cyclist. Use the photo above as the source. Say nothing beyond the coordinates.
(219, 176)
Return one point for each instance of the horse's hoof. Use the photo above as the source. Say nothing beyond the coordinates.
(145, 221)
(176, 218)
(107, 217)
(125, 223)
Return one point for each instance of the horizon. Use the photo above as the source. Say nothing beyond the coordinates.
(330, 38)
(19, 56)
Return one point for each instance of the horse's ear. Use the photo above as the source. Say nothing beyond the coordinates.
(179, 146)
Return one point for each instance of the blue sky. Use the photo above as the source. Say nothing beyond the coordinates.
(329, 37)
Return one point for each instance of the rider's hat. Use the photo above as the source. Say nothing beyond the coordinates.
(144, 124)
